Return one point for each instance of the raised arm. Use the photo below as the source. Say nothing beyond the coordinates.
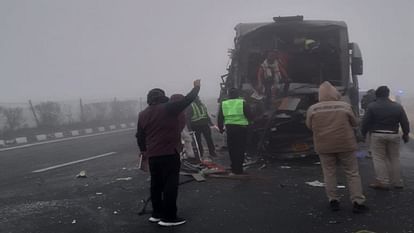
(177, 107)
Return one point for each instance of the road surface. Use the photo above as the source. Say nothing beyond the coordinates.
(39, 192)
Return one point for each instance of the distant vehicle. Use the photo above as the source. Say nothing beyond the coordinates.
(314, 51)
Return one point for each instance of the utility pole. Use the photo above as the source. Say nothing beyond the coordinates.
(82, 116)
(34, 113)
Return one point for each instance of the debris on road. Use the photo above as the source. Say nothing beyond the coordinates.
(317, 163)
(98, 193)
(315, 183)
(334, 222)
(285, 167)
(115, 212)
(365, 231)
(81, 174)
(74, 221)
(124, 178)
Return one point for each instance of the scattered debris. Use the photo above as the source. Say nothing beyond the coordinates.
(99, 208)
(317, 163)
(124, 178)
(198, 177)
(364, 231)
(115, 212)
(333, 222)
(81, 174)
(315, 183)
(74, 221)
(98, 193)
(285, 167)
(262, 167)
(230, 176)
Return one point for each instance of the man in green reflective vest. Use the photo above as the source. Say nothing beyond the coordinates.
(234, 115)
(199, 121)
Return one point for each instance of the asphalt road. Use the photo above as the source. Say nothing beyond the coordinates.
(39, 192)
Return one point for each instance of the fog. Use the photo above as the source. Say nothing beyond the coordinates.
(92, 49)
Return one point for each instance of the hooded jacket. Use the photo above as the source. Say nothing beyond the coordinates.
(159, 125)
(332, 122)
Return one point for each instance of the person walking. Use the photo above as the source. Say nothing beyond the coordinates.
(368, 98)
(234, 115)
(199, 121)
(332, 122)
(382, 120)
(158, 137)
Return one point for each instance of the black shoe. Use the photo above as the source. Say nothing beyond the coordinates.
(334, 205)
(359, 208)
(171, 222)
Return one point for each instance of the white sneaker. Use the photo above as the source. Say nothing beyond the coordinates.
(154, 220)
(170, 223)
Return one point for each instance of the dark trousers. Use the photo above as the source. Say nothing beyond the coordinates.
(236, 142)
(164, 185)
(206, 132)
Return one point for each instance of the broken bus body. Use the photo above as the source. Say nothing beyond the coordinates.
(280, 130)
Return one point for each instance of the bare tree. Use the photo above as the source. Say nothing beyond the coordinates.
(14, 117)
(124, 110)
(50, 113)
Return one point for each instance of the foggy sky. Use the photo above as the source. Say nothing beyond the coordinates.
(62, 50)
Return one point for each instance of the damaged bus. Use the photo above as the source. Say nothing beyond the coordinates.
(308, 52)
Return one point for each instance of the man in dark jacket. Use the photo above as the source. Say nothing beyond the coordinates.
(234, 114)
(382, 120)
(158, 136)
(199, 121)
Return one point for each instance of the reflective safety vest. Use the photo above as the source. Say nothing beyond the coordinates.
(233, 112)
(199, 112)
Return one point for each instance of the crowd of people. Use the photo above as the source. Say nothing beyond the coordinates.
(332, 121)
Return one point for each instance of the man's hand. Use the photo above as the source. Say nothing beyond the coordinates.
(405, 138)
(197, 83)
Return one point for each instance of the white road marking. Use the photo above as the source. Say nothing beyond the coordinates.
(73, 162)
(64, 139)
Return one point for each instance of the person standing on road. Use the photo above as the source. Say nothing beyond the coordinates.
(158, 137)
(382, 120)
(332, 122)
(368, 98)
(234, 114)
(199, 121)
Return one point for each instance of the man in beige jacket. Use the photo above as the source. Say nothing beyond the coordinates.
(332, 122)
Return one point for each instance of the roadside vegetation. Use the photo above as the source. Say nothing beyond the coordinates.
(50, 116)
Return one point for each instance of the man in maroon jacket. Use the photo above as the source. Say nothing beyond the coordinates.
(158, 136)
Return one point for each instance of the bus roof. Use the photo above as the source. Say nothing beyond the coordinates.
(242, 29)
